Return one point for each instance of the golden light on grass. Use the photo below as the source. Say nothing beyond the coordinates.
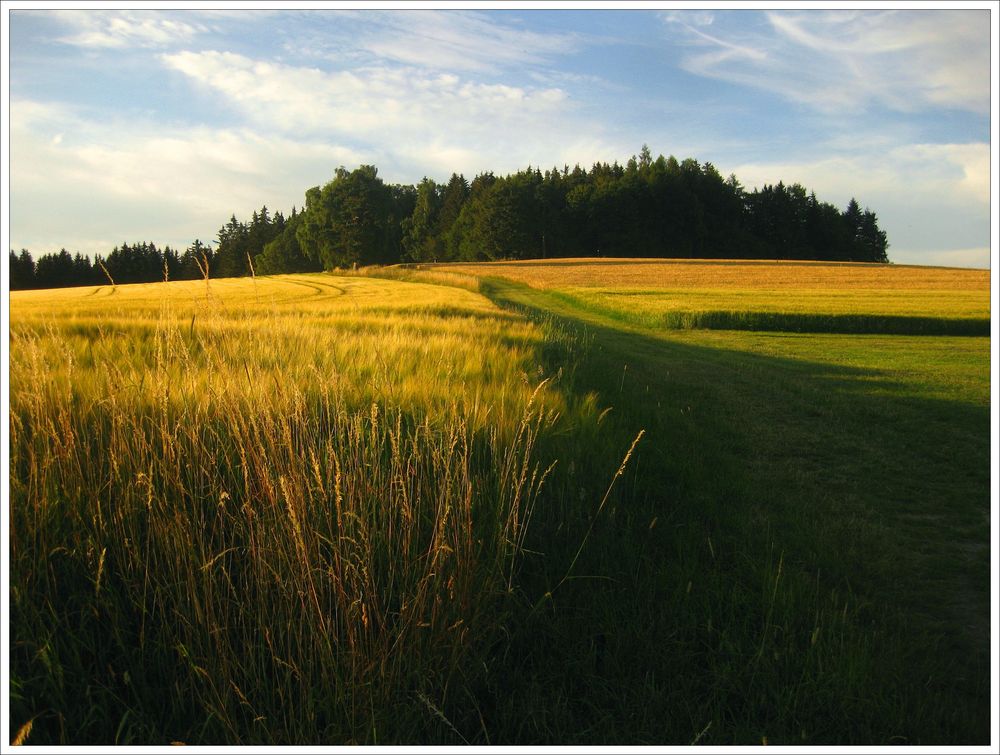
(756, 295)
(710, 274)
(22, 734)
(321, 509)
(331, 475)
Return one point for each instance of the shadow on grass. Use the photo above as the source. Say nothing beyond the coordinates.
(789, 557)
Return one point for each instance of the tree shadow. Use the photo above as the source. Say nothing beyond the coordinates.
(873, 493)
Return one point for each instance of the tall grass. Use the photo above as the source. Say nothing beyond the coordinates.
(246, 527)
(317, 509)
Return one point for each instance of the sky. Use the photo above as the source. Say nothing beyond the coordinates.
(158, 125)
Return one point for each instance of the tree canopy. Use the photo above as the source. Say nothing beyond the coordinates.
(648, 207)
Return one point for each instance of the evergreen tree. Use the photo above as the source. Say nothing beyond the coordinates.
(453, 198)
(284, 254)
(54, 270)
(232, 246)
(420, 242)
(872, 239)
(22, 270)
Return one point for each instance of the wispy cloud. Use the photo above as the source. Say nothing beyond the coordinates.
(453, 41)
(357, 100)
(121, 29)
(837, 60)
(721, 51)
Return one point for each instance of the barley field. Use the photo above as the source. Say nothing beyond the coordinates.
(258, 511)
(501, 504)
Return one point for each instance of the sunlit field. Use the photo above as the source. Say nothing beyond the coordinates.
(420, 347)
(259, 511)
(502, 504)
(739, 274)
(796, 296)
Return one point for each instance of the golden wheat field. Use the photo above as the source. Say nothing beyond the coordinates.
(756, 295)
(281, 490)
(416, 345)
(711, 274)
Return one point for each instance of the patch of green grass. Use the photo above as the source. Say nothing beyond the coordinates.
(960, 313)
(802, 553)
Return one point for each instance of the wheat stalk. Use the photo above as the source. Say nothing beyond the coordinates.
(23, 733)
(113, 286)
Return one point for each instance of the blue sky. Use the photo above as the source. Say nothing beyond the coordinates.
(158, 125)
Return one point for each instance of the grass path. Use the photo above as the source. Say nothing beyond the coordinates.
(836, 469)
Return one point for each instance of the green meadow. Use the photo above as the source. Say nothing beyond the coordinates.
(525, 504)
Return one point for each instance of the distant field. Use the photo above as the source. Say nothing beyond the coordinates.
(797, 296)
(740, 274)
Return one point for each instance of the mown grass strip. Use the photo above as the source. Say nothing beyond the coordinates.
(785, 322)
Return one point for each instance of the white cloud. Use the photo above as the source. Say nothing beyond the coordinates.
(847, 60)
(120, 29)
(931, 199)
(961, 171)
(421, 118)
(356, 101)
(948, 173)
(161, 183)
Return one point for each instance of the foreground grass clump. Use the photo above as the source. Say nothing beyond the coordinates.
(238, 521)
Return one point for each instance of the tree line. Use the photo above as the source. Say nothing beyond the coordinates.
(646, 208)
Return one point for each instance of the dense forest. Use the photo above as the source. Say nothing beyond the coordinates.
(645, 208)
